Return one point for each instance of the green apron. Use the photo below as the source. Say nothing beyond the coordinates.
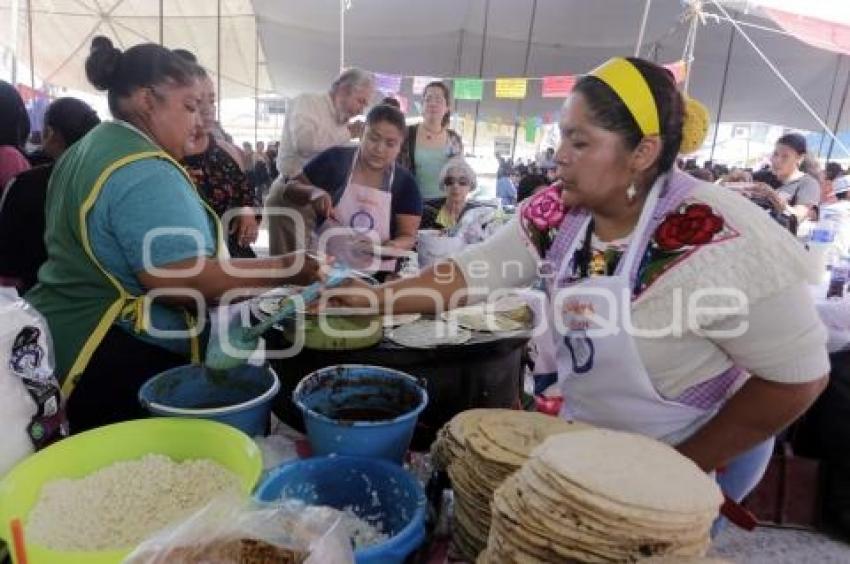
(75, 293)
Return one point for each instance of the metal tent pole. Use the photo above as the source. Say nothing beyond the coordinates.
(341, 36)
(29, 39)
(458, 63)
(838, 117)
(15, 20)
(219, 95)
(642, 30)
(525, 72)
(689, 58)
(722, 92)
(838, 60)
(480, 72)
(256, 77)
(161, 22)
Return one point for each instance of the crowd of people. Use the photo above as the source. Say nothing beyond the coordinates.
(792, 186)
(609, 209)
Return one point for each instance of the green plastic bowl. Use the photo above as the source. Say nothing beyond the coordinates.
(80, 455)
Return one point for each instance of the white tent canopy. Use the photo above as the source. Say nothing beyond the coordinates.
(299, 46)
(444, 38)
(62, 32)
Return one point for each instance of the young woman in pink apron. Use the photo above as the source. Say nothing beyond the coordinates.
(371, 209)
(631, 250)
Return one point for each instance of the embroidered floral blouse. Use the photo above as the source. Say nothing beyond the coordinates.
(711, 239)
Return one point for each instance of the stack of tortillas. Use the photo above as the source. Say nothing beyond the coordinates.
(480, 448)
(602, 496)
(509, 313)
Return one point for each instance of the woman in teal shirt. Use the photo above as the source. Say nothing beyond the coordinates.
(133, 252)
(430, 144)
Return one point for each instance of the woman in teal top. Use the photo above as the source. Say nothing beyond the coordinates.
(133, 252)
(430, 144)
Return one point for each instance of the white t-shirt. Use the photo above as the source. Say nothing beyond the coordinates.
(311, 126)
(785, 340)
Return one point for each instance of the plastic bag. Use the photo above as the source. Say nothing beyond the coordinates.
(232, 529)
(276, 449)
(31, 414)
(480, 223)
(432, 246)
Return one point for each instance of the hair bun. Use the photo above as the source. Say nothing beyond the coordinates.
(103, 63)
(694, 126)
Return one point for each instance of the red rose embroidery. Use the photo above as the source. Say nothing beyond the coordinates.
(697, 225)
(545, 210)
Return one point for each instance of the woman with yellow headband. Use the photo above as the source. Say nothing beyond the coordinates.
(669, 298)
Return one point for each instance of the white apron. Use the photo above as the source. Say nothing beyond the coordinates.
(602, 378)
(363, 219)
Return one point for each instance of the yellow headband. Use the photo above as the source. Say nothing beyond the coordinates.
(624, 79)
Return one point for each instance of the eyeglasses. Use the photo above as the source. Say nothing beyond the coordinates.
(449, 180)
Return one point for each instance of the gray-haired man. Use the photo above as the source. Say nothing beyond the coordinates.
(314, 122)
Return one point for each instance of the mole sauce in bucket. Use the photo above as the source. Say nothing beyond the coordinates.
(360, 410)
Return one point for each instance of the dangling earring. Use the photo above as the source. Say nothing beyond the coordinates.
(631, 192)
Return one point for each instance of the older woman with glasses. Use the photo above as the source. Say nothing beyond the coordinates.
(457, 180)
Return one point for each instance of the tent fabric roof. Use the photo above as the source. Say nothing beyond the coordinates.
(443, 38)
(62, 32)
(299, 46)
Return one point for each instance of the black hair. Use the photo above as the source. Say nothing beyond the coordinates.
(528, 184)
(767, 177)
(833, 170)
(610, 113)
(71, 118)
(390, 101)
(446, 94)
(389, 114)
(141, 66)
(14, 120)
(197, 69)
(794, 141)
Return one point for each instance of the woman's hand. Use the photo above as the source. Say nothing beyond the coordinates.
(246, 227)
(307, 267)
(323, 204)
(765, 192)
(353, 293)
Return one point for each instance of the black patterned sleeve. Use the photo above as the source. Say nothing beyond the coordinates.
(243, 194)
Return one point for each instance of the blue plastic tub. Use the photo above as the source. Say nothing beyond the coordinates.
(376, 490)
(240, 397)
(360, 410)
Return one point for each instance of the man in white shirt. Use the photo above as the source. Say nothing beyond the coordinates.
(314, 122)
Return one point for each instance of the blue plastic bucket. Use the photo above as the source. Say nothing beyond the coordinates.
(376, 490)
(360, 410)
(240, 397)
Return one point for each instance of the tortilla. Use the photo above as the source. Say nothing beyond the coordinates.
(632, 470)
(505, 315)
(427, 334)
(480, 449)
(523, 431)
(400, 319)
(595, 495)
